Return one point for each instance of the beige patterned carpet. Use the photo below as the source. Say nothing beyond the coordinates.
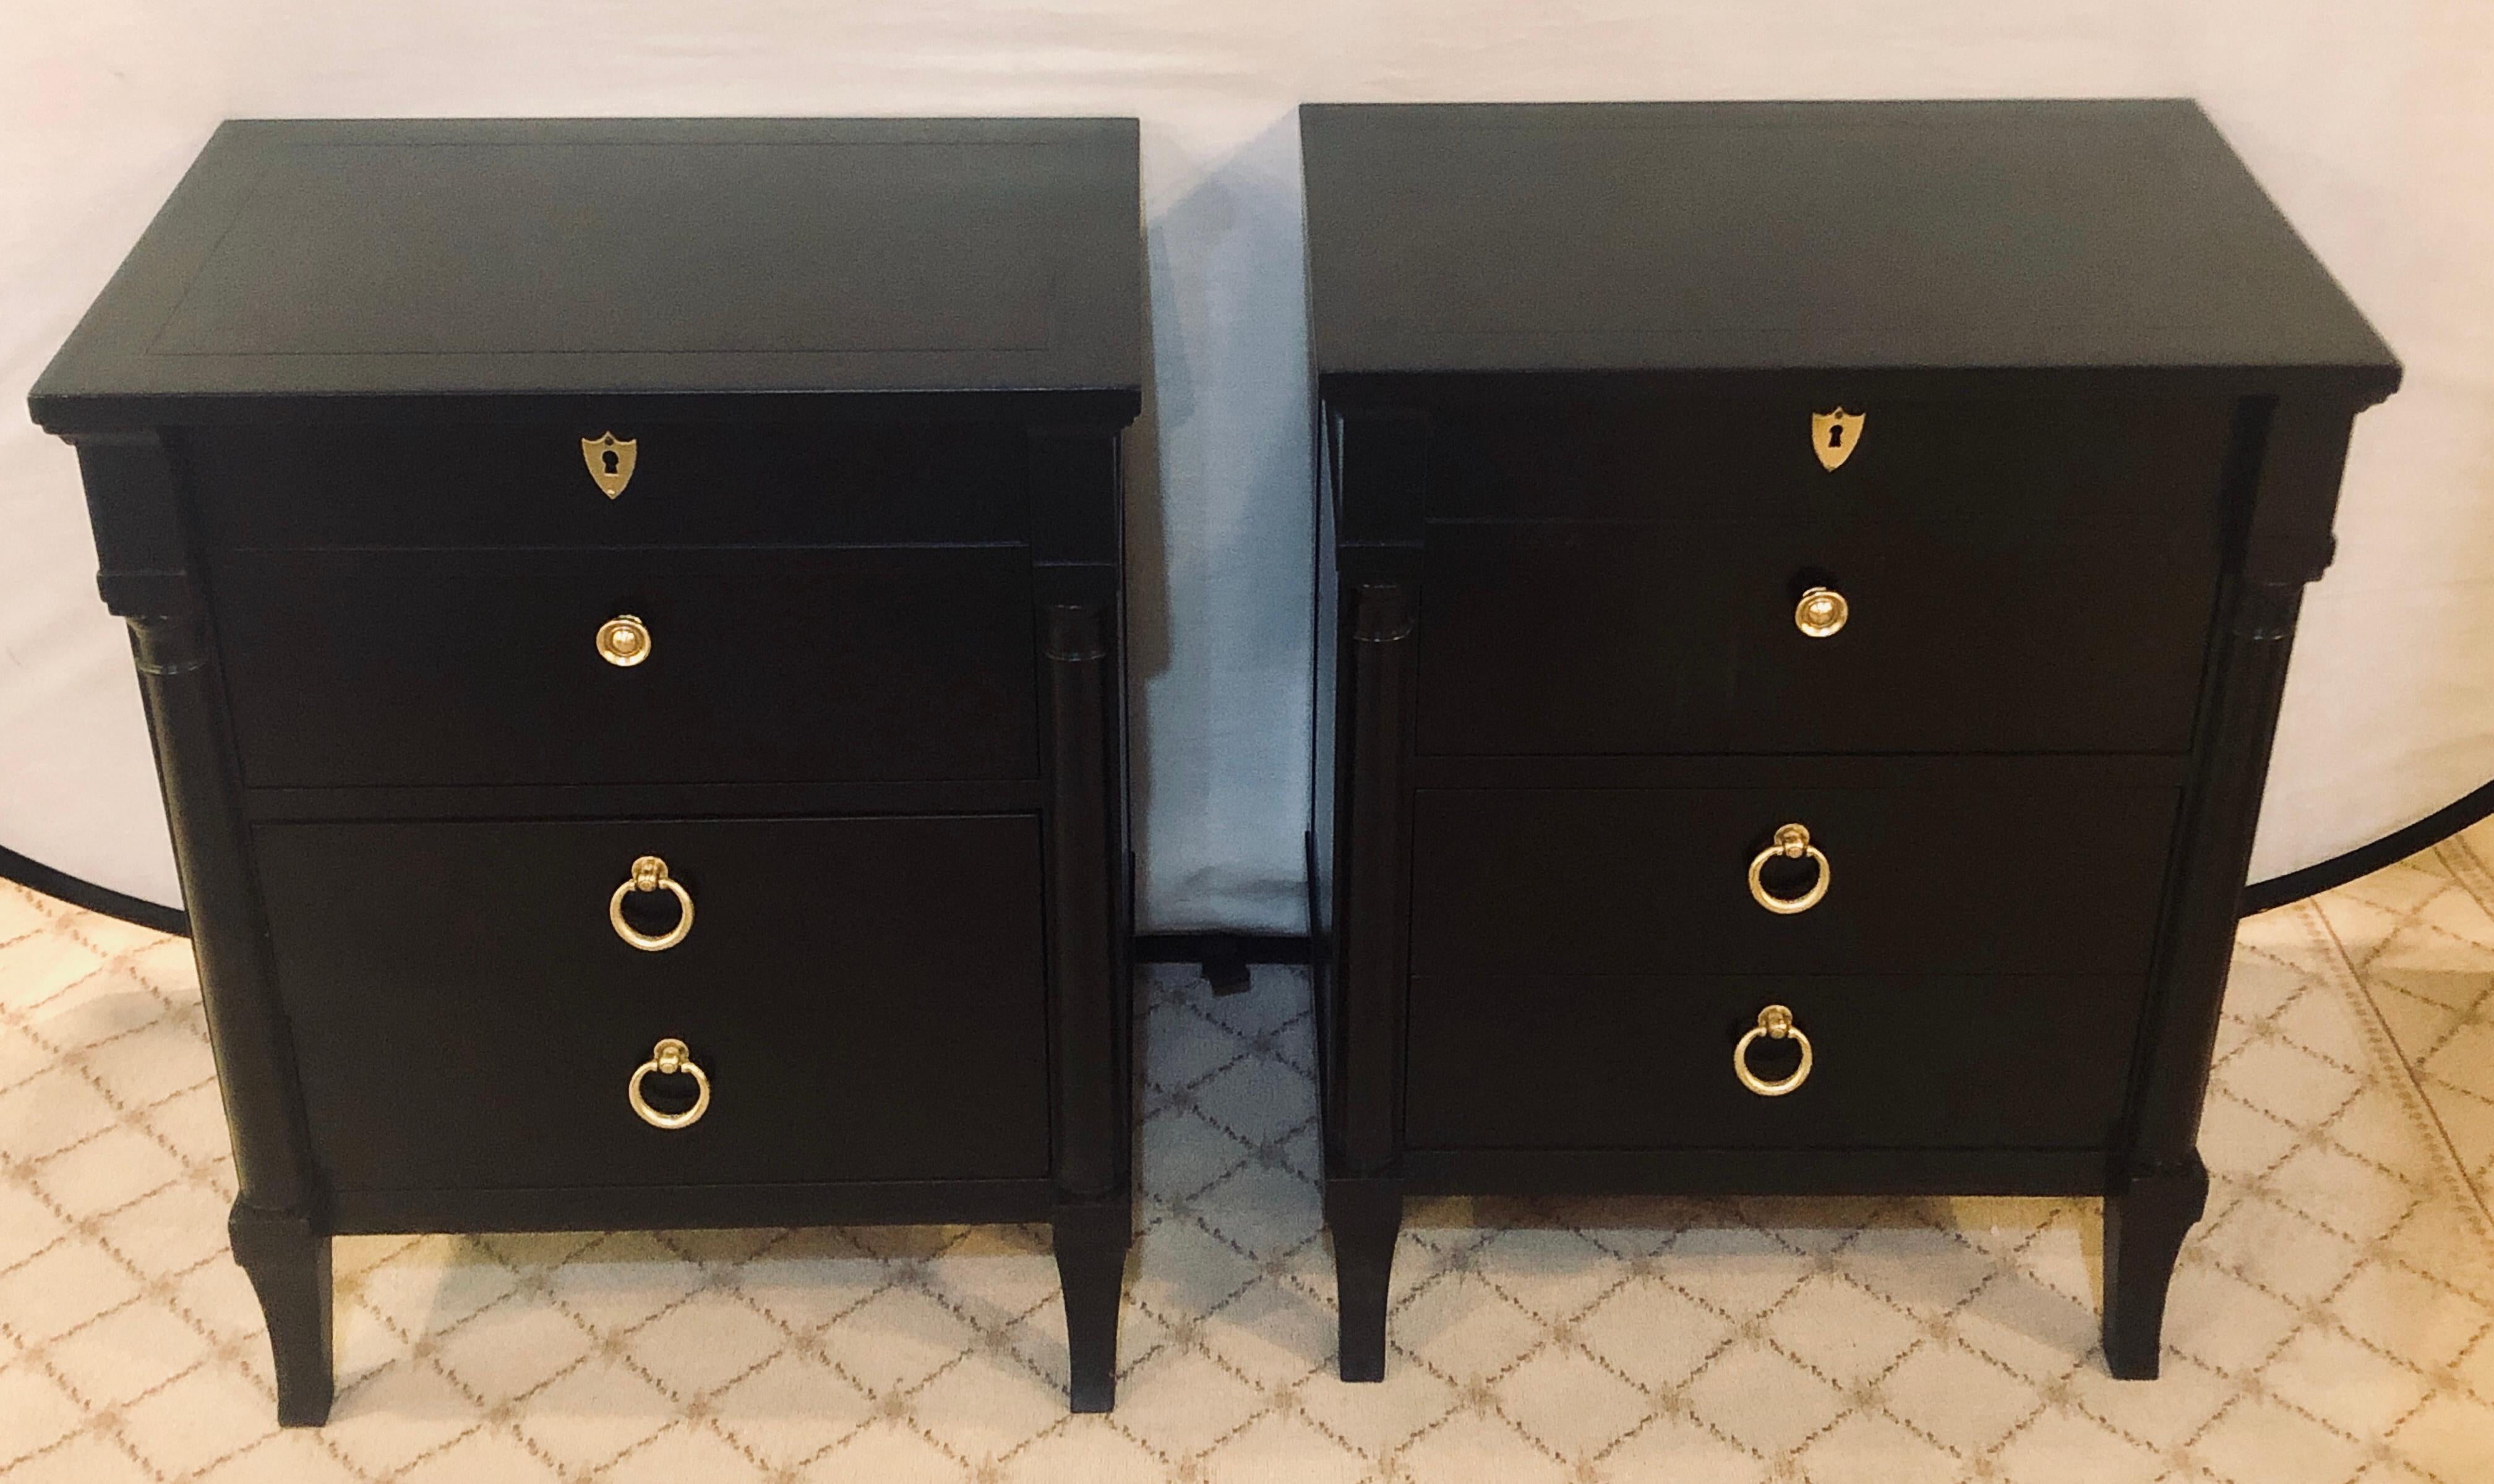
(2332, 1320)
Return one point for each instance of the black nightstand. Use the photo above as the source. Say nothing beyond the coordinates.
(630, 616)
(1802, 595)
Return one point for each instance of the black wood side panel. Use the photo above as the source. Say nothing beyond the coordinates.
(481, 667)
(1543, 1061)
(866, 995)
(1932, 880)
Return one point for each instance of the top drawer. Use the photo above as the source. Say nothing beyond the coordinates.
(678, 484)
(2009, 575)
(2115, 460)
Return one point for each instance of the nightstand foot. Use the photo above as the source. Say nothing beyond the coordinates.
(287, 1262)
(1365, 1217)
(2144, 1226)
(1091, 1244)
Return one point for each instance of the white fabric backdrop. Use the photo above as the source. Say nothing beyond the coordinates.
(2373, 125)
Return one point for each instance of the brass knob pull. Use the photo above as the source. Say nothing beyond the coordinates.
(650, 874)
(1821, 613)
(1792, 842)
(623, 640)
(1776, 1023)
(668, 1058)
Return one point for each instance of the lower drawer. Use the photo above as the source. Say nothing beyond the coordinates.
(1938, 878)
(1507, 1062)
(865, 998)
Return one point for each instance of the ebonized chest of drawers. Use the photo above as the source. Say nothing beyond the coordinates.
(1803, 598)
(630, 616)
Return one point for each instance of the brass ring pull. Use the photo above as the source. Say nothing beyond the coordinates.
(1791, 841)
(1821, 613)
(1776, 1023)
(667, 1058)
(650, 874)
(623, 640)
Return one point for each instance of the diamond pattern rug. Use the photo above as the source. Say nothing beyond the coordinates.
(2332, 1319)
(2421, 936)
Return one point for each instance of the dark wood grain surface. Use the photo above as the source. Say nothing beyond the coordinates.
(1522, 237)
(408, 259)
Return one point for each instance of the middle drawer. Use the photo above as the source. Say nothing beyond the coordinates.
(1931, 879)
(417, 668)
(1691, 637)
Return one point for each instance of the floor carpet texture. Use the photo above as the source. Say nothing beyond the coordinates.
(2332, 1319)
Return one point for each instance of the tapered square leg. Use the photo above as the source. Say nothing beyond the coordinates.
(1091, 1242)
(1365, 1217)
(2144, 1226)
(288, 1261)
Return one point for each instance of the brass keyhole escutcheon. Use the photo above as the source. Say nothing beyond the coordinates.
(623, 640)
(669, 1058)
(1834, 435)
(1792, 842)
(1774, 1024)
(609, 460)
(1821, 613)
(650, 874)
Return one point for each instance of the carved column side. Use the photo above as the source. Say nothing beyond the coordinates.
(1375, 930)
(247, 1029)
(149, 578)
(2282, 481)
(1088, 1041)
(278, 1226)
(1086, 1032)
(2222, 814)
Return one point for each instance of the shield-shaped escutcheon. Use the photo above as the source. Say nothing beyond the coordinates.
(1835, 434)
(609, 460)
